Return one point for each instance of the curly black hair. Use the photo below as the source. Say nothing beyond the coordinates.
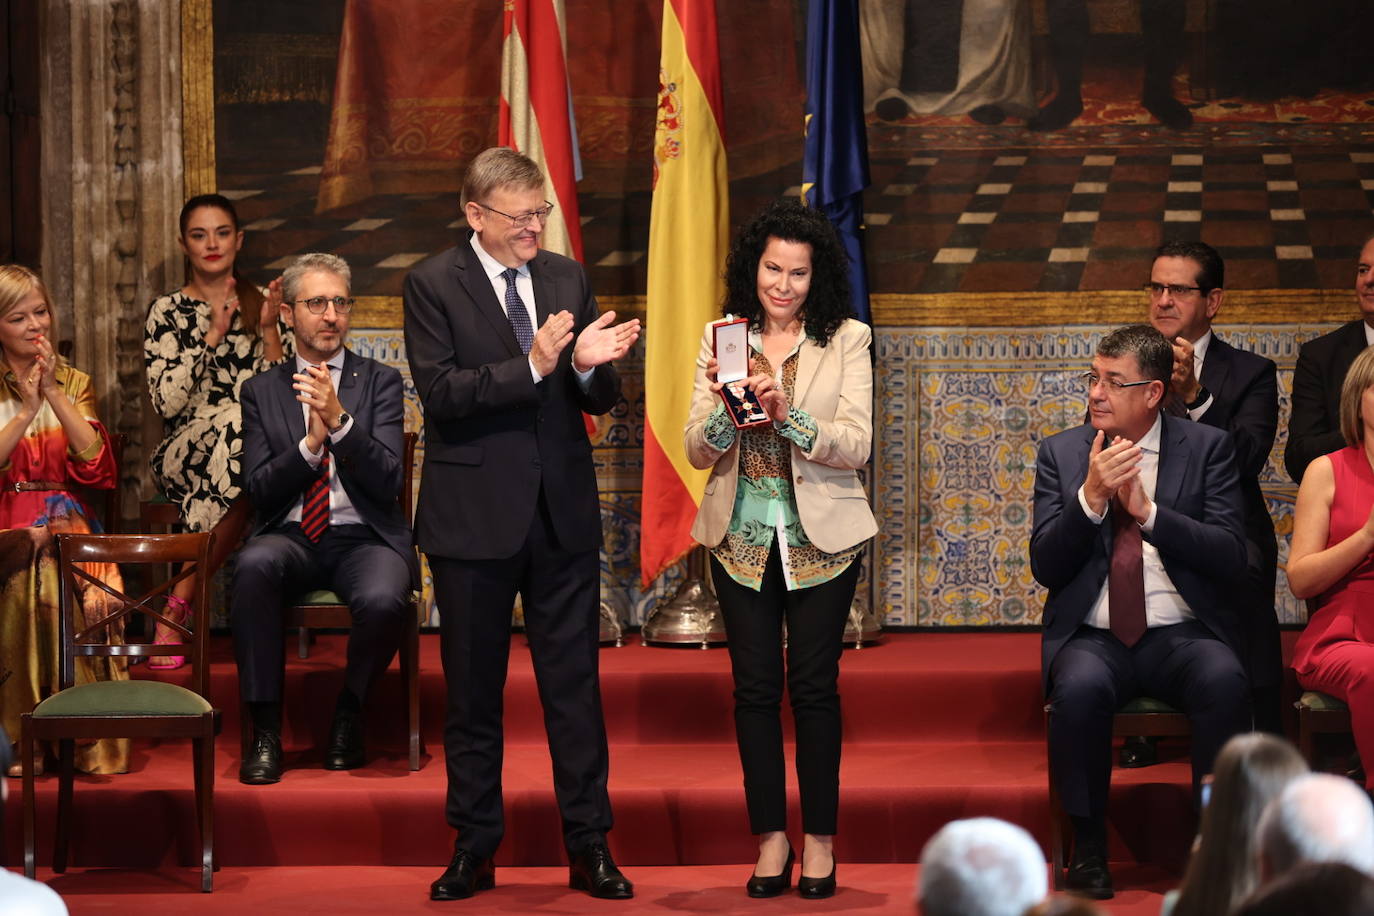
(827, 304)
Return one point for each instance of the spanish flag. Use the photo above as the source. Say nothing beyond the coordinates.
(536, 111)
(688, 228)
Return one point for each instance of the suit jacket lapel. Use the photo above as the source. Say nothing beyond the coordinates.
(288, 408)
(808, 361)
(1217, 365)
(545, 296)
(349, 389)
(1173, 461)
(478, 286)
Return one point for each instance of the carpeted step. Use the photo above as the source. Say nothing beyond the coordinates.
(912, 687)
(674, 804)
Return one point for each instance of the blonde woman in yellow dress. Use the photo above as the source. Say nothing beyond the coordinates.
(51, 442)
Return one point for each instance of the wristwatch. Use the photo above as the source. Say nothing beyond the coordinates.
(343, 421)
(1202, 395)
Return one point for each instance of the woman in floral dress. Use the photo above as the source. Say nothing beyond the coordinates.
(200, 344)
(50, 443)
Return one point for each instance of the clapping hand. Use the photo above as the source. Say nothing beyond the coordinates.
(601, 343)
(222, 315)
(271, 305)
(315, 388)
(1109, 469)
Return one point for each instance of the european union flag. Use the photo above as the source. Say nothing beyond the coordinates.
(835, 167)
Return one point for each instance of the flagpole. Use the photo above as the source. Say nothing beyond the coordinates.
(692, 616)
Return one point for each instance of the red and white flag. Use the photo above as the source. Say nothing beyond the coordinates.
(536, 111)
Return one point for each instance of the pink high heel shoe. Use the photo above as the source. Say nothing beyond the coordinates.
(178, 609)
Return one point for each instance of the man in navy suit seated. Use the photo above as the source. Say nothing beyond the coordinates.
(1139, 537)
(322, 464)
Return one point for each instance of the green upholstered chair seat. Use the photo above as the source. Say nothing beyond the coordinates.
(319, 596)
(1319, 702)
(1145, 704)
(124, 698)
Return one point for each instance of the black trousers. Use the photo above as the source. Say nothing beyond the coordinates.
(815, 639)
(1094, 675)
(559, 592)
(350, 560)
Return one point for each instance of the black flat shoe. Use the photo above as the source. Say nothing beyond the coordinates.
(594, 871)
(773, 885)
(345, 742)
(817, 888)
(466, 875)
(262, 765)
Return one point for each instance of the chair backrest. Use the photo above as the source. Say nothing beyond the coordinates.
(84, 633)
(408, 474)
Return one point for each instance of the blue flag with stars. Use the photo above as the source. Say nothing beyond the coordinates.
(835, 166)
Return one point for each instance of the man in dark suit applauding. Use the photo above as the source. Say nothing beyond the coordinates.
(507, 350)
(1235, 391)
(1314, 429)
(1138, 535)
(322, 459)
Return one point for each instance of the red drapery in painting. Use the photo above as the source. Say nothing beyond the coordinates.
(418, 91)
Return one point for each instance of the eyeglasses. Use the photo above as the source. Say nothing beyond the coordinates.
(524, 219)
(318, 304)
(1157, 289)
(1090, 380)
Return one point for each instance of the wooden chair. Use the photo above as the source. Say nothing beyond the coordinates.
(323, 608)
(1141, 716)
(1319, 714)
(124, 709)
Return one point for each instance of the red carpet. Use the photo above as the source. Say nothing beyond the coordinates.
(938, 726)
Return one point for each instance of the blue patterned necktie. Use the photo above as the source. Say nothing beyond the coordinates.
(516, 314)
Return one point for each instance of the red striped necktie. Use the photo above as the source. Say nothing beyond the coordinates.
(315, 506)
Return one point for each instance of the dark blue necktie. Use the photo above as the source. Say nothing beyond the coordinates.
(516, 314)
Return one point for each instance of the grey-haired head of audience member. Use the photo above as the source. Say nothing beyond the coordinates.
(1313, 889)
(981, 867)
(1317, 818)
(317, 260)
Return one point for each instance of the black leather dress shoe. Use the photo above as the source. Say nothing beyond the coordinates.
(773, 885)
(1139, 751)
(262, 765)
(466, 875)
(345, 742)
(817, 888)
(593, 870)
(1088, 877)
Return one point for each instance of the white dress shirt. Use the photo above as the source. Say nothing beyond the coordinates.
(341, 511)
(1163, 604)
(525, 287)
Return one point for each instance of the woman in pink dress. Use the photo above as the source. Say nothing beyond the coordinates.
(51, 441)
(1331, 562)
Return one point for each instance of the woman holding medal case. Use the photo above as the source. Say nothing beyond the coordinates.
(785, 518)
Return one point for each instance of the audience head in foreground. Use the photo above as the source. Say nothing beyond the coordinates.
(1317, 818)
(1314, 889)
(1250, 772)
(981, 867)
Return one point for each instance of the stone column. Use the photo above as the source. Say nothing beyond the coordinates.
(112, 187)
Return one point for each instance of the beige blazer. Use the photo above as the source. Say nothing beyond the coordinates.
(835, 386)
